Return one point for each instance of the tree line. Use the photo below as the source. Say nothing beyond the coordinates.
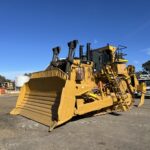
(3, 79)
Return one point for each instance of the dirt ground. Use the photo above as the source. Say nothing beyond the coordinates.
(121, 131)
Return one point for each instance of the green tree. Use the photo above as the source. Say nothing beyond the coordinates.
(146, 66)
(3, 79)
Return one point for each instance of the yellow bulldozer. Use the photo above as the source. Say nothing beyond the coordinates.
(98, 80)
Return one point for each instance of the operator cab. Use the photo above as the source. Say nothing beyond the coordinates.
(102, 56)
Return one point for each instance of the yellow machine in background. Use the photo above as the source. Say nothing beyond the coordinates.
(97, 81)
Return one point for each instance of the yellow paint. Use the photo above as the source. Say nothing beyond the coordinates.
(52, 98)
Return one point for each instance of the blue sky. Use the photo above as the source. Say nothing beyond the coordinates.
(29, 29)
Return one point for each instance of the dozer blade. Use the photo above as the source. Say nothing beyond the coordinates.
(142, 88)
(41, 99)
(141, 100)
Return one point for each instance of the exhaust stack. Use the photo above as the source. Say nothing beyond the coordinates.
(88, 51)
(56, 52)
(81, 52)
(72, 45)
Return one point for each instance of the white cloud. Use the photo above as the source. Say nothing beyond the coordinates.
(140, 28)
(13, 74)
(136, 62)
(95, 41)
(147, 51)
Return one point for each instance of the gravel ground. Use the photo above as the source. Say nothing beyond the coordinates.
(121, 131)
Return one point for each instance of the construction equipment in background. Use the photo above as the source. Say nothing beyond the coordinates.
(98, 81)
